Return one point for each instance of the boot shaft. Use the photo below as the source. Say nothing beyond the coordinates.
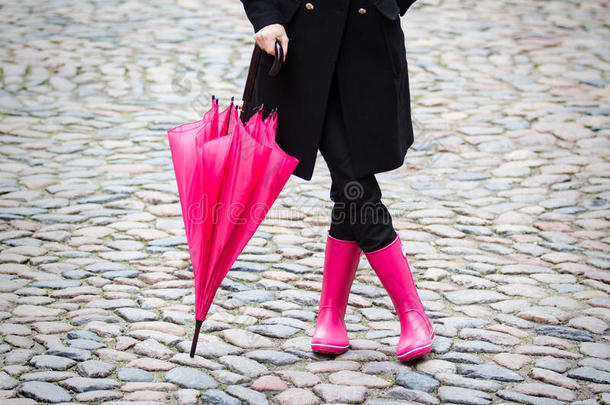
(392, 268)
(341, 258)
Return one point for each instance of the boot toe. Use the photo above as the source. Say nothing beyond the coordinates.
(326, 342)
(416, 337)
(412, 351)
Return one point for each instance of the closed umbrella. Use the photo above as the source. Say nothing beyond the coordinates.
(229, 173)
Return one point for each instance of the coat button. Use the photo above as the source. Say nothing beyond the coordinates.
(362, 10)
(309, 6)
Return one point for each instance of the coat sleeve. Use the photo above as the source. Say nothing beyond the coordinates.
(262, 13)
(404, 5)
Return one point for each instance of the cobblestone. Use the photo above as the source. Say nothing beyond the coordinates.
(502, 205)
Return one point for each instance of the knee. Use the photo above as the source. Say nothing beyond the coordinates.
(358, 192)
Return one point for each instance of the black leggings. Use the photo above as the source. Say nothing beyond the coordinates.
(358, 213)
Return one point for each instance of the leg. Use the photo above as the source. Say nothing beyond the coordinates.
(358, 213)
(359, 199)
(336, 157)
(369, 218)
(341, 259)
(340, 226)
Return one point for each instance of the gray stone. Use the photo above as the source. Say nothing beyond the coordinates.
(52, 362)
(381, 367)
(565, 333)
(229, 377)
(48, 376)
(274, 357)
(84, 384)
(212, 350)
(473, 296)
(83, 334)
(416, 380)
(218, 397)
(341, 393)
(472, 383)
(477, 346)
(461, 358)
(44, 392)
(56, 284)
(253, 296)
(245, 366)
(300, 297)
(152, 348)
(85, 344)
(179, 317)
(18, 356)
(95, 368)
(70, 352)
(489, 371)
(526, 399)
(246, 339)
(599, 364)
(111, 275)
(459, 395)
(190, 378)
(590, 374)
(247, 395)
(406, 394)
(553, 363)
(274, 331)
(7, 382)
(134, 375)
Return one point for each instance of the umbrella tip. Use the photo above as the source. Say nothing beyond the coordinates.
(195, 337)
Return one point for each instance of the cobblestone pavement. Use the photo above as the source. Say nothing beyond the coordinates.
(502, 205)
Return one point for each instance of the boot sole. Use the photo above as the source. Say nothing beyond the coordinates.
(333, 349)
(417, 352)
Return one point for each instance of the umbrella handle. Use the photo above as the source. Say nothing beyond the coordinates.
(279, 59)
(254, 61)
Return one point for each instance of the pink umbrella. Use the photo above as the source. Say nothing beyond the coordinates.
(228, 175)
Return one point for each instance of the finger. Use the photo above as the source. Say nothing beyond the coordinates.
(270, 46)
(265, 40)
(259, 41)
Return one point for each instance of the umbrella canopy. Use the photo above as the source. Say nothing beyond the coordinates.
(228, 175)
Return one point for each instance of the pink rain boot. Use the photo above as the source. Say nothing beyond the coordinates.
(416, 330)
(341, 259)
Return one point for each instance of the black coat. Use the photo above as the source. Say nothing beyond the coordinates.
(368, 51)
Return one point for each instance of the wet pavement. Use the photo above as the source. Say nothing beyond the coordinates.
(502, 206)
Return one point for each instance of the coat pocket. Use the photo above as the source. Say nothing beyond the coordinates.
(393, 35)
